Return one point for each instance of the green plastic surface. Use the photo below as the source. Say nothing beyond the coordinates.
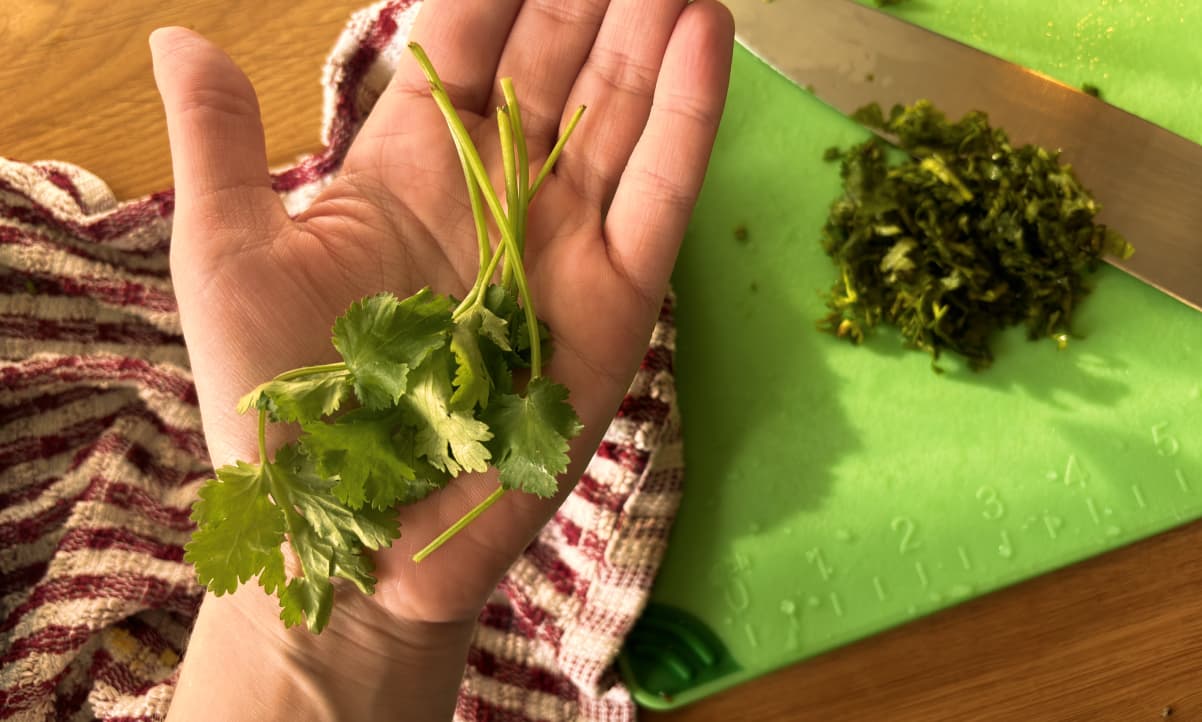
(834, 491)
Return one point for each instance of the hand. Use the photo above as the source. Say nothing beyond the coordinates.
(258, 290)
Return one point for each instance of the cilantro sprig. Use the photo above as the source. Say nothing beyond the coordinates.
(425, 391)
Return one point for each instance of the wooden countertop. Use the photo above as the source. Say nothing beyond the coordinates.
(1115, 638)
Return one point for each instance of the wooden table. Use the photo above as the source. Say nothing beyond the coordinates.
(1115, 638)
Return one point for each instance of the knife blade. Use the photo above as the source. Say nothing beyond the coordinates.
(1147, 179)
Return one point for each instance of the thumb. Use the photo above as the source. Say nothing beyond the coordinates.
(219, 159)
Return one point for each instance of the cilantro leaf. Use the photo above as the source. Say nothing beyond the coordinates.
(502, 303)
(496, 351)
(301, 399)
(531, 432)
(328, 538)
(383, 339)
(312, 493)
(309, 598)
(238, 531)
(472, 379)
(360, 452)
(494, 328)
(452, 440)
(428, 477)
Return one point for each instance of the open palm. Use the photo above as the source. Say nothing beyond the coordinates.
(258, 290)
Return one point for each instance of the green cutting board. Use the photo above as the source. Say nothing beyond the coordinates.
(835, 491)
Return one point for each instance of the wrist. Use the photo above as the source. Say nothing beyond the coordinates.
(242, 663)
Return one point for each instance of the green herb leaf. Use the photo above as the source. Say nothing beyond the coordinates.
(306, 398)
(451, 440)
(482, 350)
(328, 539)
(383, 339)
(531, 433)
(504, 305)
(360, 451)
(238, 531)
(309, 598)
(472, 380)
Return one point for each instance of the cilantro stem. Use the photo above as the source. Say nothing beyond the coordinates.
(458, 526)
(482, 241)
(475, 297)
(523, 169)
(536, 350)
(512, 182)
(463, 140)
(263, 438)
(487, 259)
(520, 204)
(554, 156)
(312, 370)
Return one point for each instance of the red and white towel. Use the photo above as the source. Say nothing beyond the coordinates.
(101, 453)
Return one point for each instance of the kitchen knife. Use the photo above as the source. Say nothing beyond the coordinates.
(1147, 179)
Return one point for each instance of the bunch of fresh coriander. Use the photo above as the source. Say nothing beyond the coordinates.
(425, 390)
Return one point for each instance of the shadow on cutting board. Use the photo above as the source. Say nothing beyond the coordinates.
(763, 420)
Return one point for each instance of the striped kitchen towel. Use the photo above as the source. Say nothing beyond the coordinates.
(101, 453)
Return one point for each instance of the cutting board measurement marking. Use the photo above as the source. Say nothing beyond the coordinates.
(907, 528)
(994, 508)
(880, 589)
(921, 571)
(738, 597)
(1166, 444)
(1053, 524)
(992, 505)
(814, 556)
(1006, 549)
(793, 635)
(1074, 473)
(752, 639)
(964, 561)
(1139, 496)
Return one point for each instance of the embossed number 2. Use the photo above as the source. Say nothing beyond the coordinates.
(907, 527)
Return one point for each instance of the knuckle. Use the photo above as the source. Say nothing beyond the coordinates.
(621, 72)
(656, 187)
(691, 109)
(570, 14)
(212, 101)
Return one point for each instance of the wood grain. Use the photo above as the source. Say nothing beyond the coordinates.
(78, 87)
(1115, 638)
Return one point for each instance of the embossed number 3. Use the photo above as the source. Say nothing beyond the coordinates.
(994, 508)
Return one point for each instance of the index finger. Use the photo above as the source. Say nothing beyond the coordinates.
(660, 183)
(464, 39)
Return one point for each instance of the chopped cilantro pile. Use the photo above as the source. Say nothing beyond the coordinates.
(965, 236)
